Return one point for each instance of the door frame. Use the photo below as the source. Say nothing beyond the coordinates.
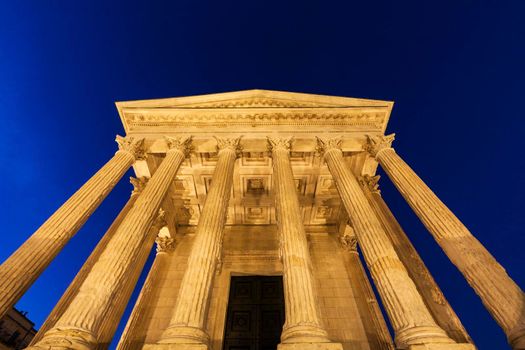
(267, 264)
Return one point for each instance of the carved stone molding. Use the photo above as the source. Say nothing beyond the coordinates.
(376, 144)
(183, 144)
(259, 102)
(328, 144)
(138, 184)
(371, 182)
(165, 244)
(160, 221)
(348, 239)
(229, 143)
(131, 145)
(67, 338)
(280, 142)
(183, 119)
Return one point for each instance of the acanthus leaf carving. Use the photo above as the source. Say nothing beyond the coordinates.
(326, 145)
(138, 184)
(131, 145)
(370, 182)
(280, 143)
(229, 143)
(165, 244)
(182, 144)
(348, 239)
(160, 221)
(377, 144)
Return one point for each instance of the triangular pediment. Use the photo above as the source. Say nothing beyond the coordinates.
(253, 110)
(255, 99)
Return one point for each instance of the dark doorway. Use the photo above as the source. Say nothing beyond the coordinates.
(255, 315)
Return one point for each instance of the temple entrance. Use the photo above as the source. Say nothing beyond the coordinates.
(255, 316)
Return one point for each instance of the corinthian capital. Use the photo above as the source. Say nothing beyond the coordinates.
(138, 184)
(181, 143)
(348, 239)
(324, 146)
(160, 221)
(280, 143)
(131, 145)
(370, 182)
(229, 143)
(376, 144)
(164, 244)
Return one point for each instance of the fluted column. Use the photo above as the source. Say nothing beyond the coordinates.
(502, 297)
(303, 323)
(380, 339)
(72, 290)
(24, 266)
(80, 324)
(118, 305)
(409, 316)
(132, 337)
(426, 285)
(188, 319)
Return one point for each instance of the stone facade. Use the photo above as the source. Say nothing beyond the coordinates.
(260, 183)
(16, 330)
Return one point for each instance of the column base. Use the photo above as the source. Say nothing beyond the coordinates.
(516, 338)
(309, 346)
(442, 347)
(184, 335)
(304, 333)
(175, 346)
(422, 335)
(66, 338)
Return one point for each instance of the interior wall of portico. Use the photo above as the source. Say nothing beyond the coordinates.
(254, 250)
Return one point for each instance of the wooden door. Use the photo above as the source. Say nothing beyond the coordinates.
(255, 316)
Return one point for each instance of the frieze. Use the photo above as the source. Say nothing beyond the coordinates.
(294, 118)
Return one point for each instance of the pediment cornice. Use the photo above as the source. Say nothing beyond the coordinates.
(252, 109)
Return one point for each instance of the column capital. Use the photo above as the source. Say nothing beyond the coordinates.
(165, 244)
(233, 144)
(132, 145)
(181, 143)
(370, 182)
(138, 184)
(326, 145)
(348, 239)
(377, 144)
(160, 221)
(280, 143)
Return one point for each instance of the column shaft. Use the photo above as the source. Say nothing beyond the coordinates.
(188, 320)
(303, 323)
(502, 297)
(73, 288)
(118, 305)
(425, 283)
(408, 314)
(24, 266)
(133, 335)
(380, 339)
(80, 324)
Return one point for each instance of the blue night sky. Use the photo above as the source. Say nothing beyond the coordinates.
(455, 72)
